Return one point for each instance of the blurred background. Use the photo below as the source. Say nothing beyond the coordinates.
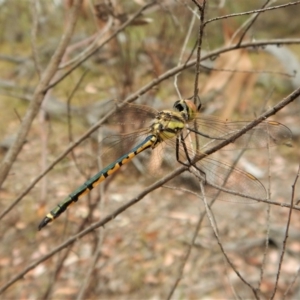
(141, 253)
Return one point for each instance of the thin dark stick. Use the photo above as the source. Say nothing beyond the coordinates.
(252, 12)
(292, 283)
(199, 46)
(207, 208)
(186, 257)
(251, 23)
(69, 121)
(286, 233)
(34, 30)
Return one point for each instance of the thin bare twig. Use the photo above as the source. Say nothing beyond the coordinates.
(249, 71)
(100, 236)
(286, 233)
(268, 211)
(34, 30)
(245, 24)
(183, 49)
(13, 59)
(60, 263)
(208, 212)
(292, 283)
(186, 256)
(93, 262)
(251, 23)
(55, 275)
(69, 121)
(255, 11)
(199, 47)
(44, 136)
(266, 248)
(90, 48)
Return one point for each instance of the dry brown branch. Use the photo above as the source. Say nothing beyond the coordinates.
(199, 46)
(255, 11)
(39, 94)
(286, 234)
(252, 23)
(34, 32)
(228, 260)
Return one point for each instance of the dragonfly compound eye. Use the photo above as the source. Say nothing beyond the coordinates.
(179, 106)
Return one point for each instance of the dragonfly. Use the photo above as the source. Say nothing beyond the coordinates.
(188, 134)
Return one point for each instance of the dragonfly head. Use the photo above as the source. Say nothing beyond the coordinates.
(187, 109)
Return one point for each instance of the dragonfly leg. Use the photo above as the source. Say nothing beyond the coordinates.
(185, 150)
(201, 172)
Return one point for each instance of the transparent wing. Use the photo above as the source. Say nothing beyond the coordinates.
(125, 113)
(221, 179)
(213, 131)
(225, 181)
(133, 115)
(127, 127)
(133, 122)
(116, 145)
(229, 183)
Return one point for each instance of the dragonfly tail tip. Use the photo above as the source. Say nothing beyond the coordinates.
(45, 221)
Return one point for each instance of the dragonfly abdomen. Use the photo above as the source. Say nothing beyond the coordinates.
(95, 180)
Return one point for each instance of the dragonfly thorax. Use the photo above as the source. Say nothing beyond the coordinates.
(166, 125)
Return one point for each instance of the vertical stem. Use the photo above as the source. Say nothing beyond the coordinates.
(200, 38)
